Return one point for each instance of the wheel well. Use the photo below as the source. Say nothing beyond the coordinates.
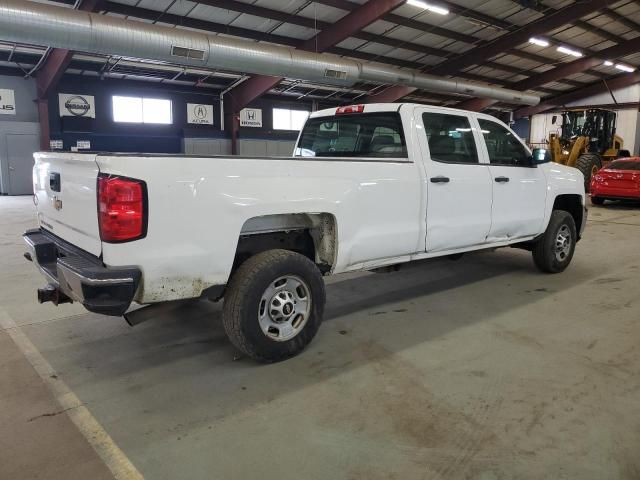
(311, 235)
(571, 204)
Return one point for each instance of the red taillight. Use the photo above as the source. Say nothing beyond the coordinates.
(121, 209)
(350, 109)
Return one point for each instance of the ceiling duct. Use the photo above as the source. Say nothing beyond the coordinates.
(39, 24)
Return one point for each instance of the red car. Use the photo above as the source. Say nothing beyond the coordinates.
(620, 180)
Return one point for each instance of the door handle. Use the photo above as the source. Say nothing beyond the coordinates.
(502, 179)
(439, 179)
(11, 168)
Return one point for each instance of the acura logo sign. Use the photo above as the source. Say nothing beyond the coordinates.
(200, 111)
(199, 114)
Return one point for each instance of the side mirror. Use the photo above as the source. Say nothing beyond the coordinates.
(554, 119)
(540, 155)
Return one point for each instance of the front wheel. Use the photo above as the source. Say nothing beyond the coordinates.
(597, 200)
(553, 252)
(274, 304)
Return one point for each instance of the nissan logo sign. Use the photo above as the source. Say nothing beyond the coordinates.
(77, 106)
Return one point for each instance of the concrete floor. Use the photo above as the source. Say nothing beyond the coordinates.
(481, 368)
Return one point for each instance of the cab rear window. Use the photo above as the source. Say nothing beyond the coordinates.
(377, 135)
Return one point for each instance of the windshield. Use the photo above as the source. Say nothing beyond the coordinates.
(377, 135)
(573, 123)
(624, 165)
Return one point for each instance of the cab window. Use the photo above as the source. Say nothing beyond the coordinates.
(503, 146)
(450, 138)
(371, 135)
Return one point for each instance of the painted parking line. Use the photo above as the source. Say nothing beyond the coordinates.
(114, 458)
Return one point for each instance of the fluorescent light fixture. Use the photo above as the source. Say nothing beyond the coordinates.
(428, 6)
(539, 41)
(625, 68)
(608, 63)
(569, 51)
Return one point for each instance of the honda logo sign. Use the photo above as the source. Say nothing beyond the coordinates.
(251, 117)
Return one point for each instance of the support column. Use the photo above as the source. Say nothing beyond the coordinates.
(45, 130)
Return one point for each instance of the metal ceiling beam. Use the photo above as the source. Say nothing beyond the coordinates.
(454, 8)
(478, 55)
(241, 7)
(353, 22)
(477, 16)
(56, 63)
(188, 22)
(561, 72)
(153, 15)
(281, 16)
(50, 73)
(627, 22)
(585, 25)
(614, 83)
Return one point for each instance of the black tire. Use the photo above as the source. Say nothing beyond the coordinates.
(588, 164)
(624, 153)
(597, 200)
(544, 250)
(243, 297)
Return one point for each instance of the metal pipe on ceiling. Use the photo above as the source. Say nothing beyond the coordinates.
(53, 26)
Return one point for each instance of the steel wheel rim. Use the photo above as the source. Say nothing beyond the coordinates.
(284, 308)
(563, 243)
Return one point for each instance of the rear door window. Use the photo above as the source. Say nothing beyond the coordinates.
(450, 138)
(373, 135)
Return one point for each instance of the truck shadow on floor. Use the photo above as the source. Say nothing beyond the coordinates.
(368, 318)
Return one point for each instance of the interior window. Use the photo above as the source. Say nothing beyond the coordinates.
(503, 146)
(286, 119)
(141, 110)
(450, 138)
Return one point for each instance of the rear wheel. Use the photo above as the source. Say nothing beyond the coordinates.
(588, 164)
(554, 251)
(597, 200)
(274, 304)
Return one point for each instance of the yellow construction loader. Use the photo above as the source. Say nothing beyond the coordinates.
(587, 141)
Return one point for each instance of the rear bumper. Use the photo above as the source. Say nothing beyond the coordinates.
(81, 276)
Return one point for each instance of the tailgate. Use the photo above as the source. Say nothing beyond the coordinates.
(66, 199)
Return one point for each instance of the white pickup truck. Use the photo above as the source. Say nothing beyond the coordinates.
(369, 186)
